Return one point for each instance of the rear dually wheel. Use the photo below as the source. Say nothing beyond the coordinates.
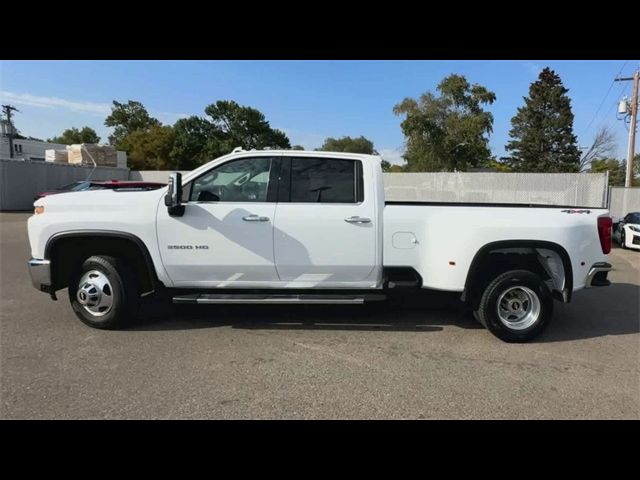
(516, 306)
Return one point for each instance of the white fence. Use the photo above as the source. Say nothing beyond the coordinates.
(574, 189)
(21, 180)
(623, 201)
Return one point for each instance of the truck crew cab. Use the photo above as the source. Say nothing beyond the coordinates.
(275, 227)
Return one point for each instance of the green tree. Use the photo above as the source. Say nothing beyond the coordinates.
(448, 131)
(297, 147)
(191, 145)
(227, 126)
(73, 136)
(349, 145)
(238, 126)
(150, 148)
(499, 166)
(126, 118)
(386, 166)
(542, 138)
(616, 169)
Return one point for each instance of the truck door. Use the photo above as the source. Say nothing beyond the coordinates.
(225, 237)
(325, 229)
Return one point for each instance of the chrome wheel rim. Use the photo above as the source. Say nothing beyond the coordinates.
(95, 293)
(518, 307)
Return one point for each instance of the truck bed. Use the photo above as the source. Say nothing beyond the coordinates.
(440, 239)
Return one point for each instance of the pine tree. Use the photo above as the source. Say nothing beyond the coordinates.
(542, 130)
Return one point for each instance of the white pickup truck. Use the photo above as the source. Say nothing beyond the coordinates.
(278, 227)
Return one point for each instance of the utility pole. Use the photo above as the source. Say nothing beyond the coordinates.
(7, 111)
(632, 126)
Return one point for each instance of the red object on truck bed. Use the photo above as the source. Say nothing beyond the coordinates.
(82, 185)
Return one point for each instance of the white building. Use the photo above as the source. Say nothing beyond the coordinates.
(27, 149)
(33, 150)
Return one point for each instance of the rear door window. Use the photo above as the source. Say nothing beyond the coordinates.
(323, 180)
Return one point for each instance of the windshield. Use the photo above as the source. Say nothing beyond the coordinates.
(81, 186)
(75, 186)
(634, 218)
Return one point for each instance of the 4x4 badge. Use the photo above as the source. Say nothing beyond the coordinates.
(576, 211)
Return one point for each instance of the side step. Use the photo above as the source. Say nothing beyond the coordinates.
(307, 299)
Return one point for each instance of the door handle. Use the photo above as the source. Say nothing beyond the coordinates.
(255, 218)
(356, 219)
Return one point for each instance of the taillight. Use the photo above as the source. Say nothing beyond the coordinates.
(604, 231)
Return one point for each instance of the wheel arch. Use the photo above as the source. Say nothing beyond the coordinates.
(474, 275)
(65, 248)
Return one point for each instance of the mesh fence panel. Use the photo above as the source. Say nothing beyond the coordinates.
(624, 200)
(572, 189)
(20, 180)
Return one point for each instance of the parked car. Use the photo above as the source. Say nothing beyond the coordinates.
(627, 231)
(83, 185)
(307, 227)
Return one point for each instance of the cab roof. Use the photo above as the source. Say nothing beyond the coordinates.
(311, 153)
(240, 153)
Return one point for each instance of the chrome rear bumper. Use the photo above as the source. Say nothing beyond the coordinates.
(597, 276)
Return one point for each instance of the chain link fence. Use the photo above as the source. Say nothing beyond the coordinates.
(566, 189)
(21, 180)
(623, 201)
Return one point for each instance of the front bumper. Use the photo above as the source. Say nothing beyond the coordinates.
(597, 276)
(634, 241)
(40, 271)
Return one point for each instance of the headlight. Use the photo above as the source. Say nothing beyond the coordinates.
(38, 210)
(635, 229)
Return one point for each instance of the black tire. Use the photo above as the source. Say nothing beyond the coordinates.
(121, 292)
(488, 308)
(622, 239)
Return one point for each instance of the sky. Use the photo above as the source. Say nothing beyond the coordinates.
(308, 100)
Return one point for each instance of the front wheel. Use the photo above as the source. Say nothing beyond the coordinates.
(516, 306)
(623, 244)
(102, 292)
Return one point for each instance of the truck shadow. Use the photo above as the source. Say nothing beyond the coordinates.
(597, 312)
(398, 314)
(600, 312)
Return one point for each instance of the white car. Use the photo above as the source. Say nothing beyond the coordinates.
(282, 226)
(627, 231)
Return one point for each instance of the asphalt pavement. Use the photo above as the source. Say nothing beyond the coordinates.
(418, 359)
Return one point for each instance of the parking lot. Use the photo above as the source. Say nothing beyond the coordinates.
(417, 359)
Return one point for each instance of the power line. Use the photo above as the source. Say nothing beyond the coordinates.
(604, 99)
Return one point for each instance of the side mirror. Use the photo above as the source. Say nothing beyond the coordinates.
(173, 198)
